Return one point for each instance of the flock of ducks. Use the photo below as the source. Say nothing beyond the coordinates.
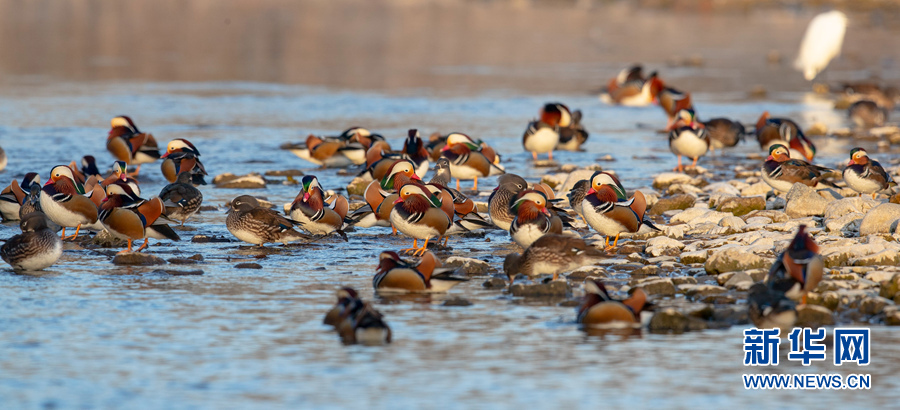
(398, 197)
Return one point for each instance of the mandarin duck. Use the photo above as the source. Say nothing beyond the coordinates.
(126, 143)
(379, 157)
(361, 323)
(13, 196)
(770, 308)
(608, 214)
(182, 156)
(395, 274)
(64, 203)
(867, 114)
(542, 135)
(380, 196)
(866, 175)
(571, 138)
(724, 133)
(551, 255)
(500, 200)
(345, 296)
(342, 151)
(181, 198)
(130, 217)
(688, 138)
(672, 102)
(799, 269)
(771, 131)
(88, 169)
(36, 248)
(469, 160)
(248, 221)
(631, 90)
(417, 213)
(781, 172)
(533, 219)
(599, 309)
(314, 213)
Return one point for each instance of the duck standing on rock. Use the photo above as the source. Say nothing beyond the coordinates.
(181, 198)
(781, 172)
(865, 175)
(599, 309)
(799, 269)
(542, 135)
(533, 218)
(608, 214)
(469, 160)
(251, 223)
(417, 213)
(126, 143)
(551, 255)
(316, 214)
(688, 138)
(63, 201)
(130, 217)
(36, 248)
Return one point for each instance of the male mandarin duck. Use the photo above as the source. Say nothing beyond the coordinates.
(799, 269)
(770, 131)
(865, 175)
(342, 151)
(781, 172)
(551, 255)
(130, 217)
(379, 157)
(688, 138)
(120, 173)
(599, 309)
(182, 156)
(542, 135)
(469, 160)
(361, 323)
(126, 143)
(533, 219)
(501, 199)
(572, 137)
(867, 114)
(181, 198)
(395, 274)
(13, 196)
(251, 223)
(672, 102)
(345, 296)
(770, 308)
(630, 89)
(724, 133)
(380, 196)
(63, 201)
(316, 214)
(417, 213)
(88, 169)
(579, 190)
(608, 214)
(36, 248)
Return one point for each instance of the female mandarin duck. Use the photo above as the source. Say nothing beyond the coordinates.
(380, 196)
(551, 255)
(501, 199)
(251, 223)
(126, 143)
(63, 201)
(688, 138)
(468, 160)
(533, 219)
(865, 175)
(129, 217)
(314, 213)
(181, 198)
(182, 156)
(781, 172)
(542, 135)
(395, 274)
(36, 248)
(608, 214)
(770, 131)
(799, 269)
(13, 196)
(417, 213)
(598, 308)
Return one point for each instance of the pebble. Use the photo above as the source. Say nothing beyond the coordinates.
(674, 202)
(739, 206)
(469, 266)
(248, 265)
(814, 316)
(249, 181)
(662, 245)
(553, 288)
(734, 259)
(137, 259)
(656, 286)
(804, 201)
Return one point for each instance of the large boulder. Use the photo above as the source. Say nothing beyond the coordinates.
(665, 179)
(841, 207)
(680, 201)
(734, 259)
(883, 218)
(804, 201)
(740, 206)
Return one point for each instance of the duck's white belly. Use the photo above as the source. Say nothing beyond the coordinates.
(9, 210)
(690, 145)
(418, 231)
(247, 236)
(527, 234)
(601, 223)
(542, 141)
(861, 185)
(42, 260)
(779, 185)
(464, 172)
(59, 214)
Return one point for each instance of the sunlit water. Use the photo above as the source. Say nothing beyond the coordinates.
(90, 334)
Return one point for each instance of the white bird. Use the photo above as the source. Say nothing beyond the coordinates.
(821, 43)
